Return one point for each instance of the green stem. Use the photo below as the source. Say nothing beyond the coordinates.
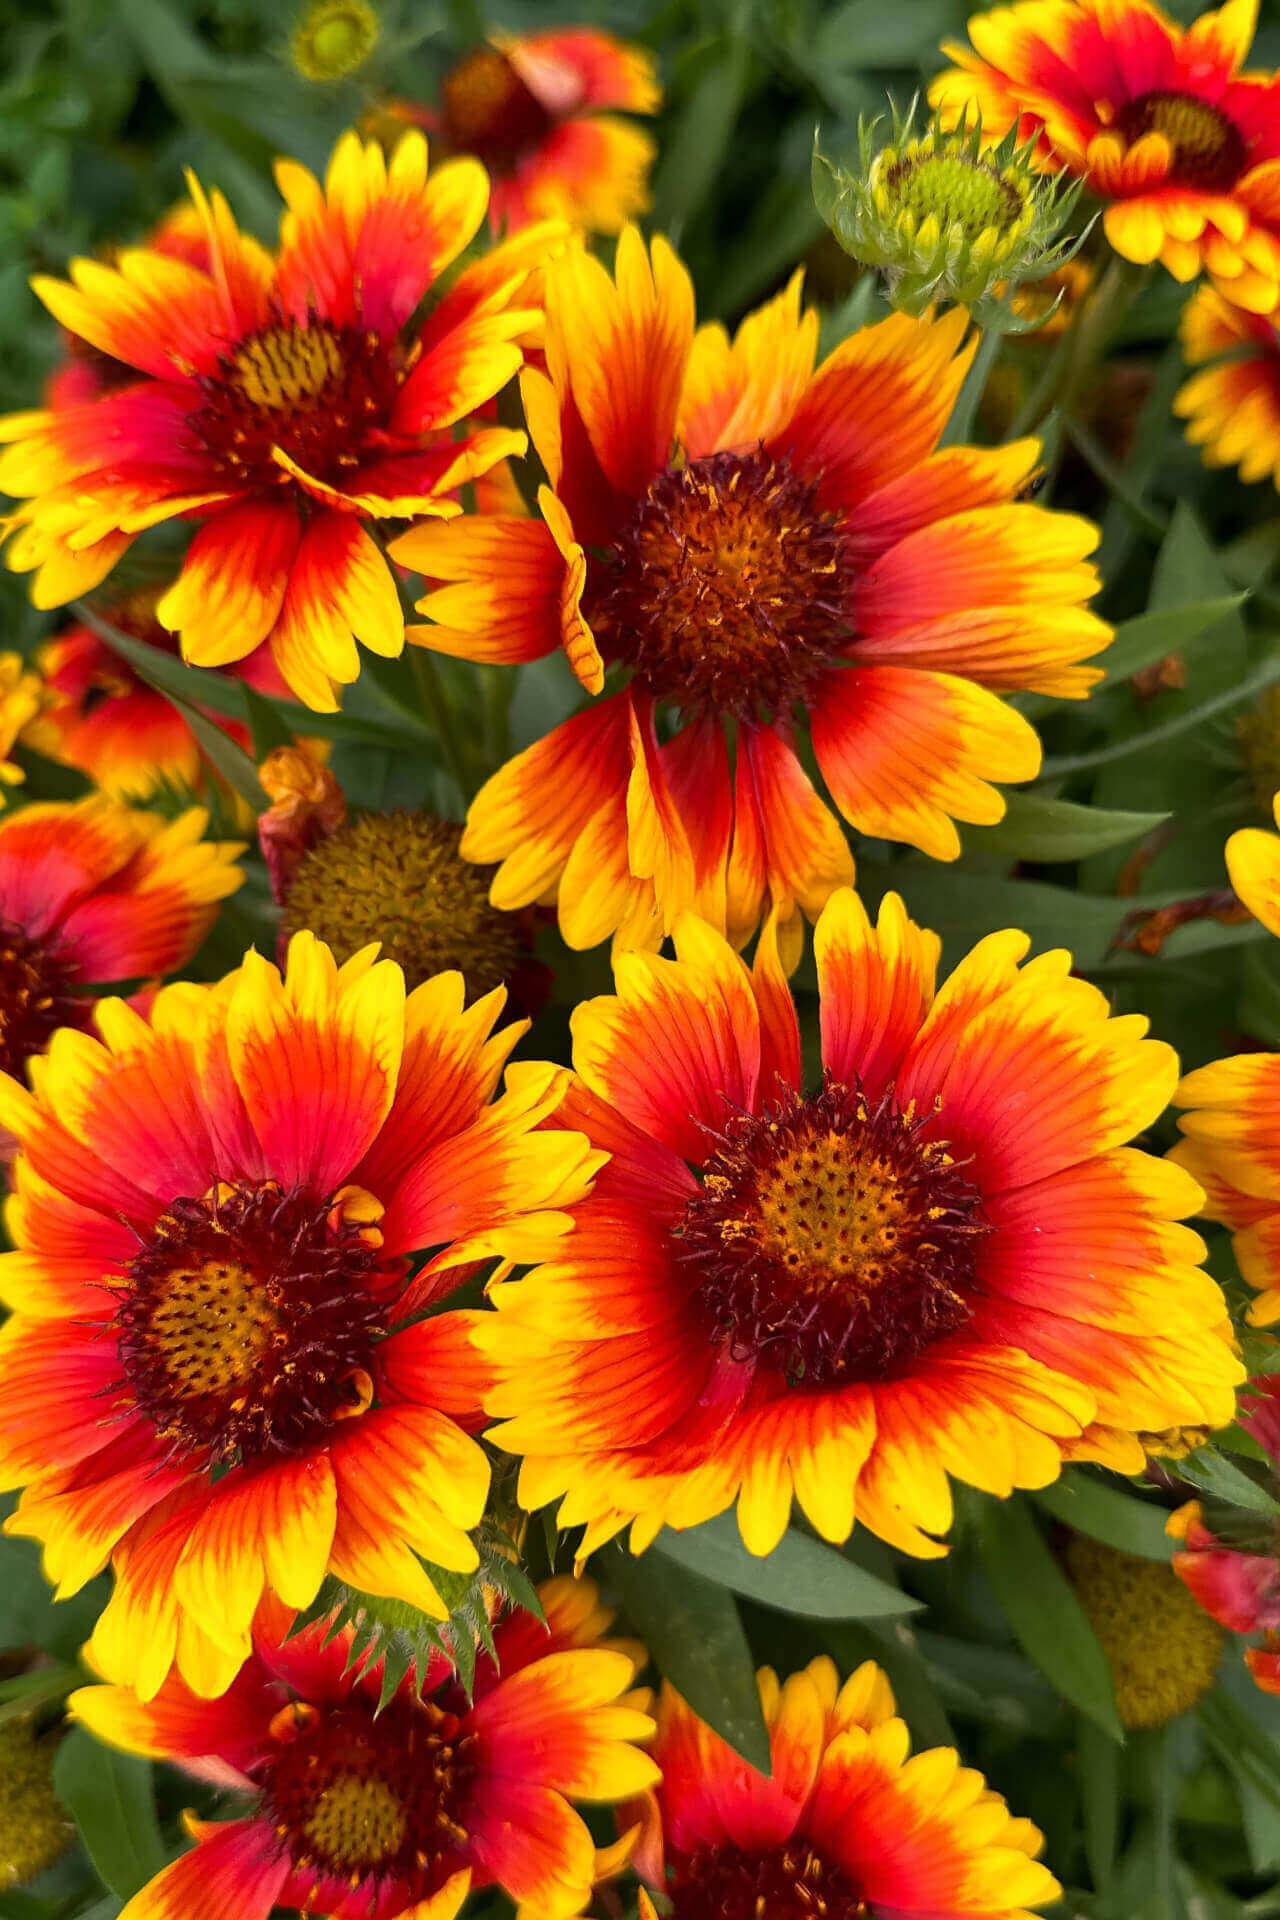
(435, 705)
(960, 426)
(1092, 327)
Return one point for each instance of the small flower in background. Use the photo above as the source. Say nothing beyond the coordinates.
(1047, 305)
(217, 1370)
(534, 109)
(1232, 1128)
(101, 717)
(397, 879)
(945, 218)
(941, 1260)
(280, 402)
(1157, 121)
(401, 1810)
(1164, 1651)
(847, 1824)
(333, 38)
(35, 1831)
(22, 700)
(95, 893)
(731, 540)
(1232, 407)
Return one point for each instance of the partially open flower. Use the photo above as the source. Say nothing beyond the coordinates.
(1163, 1651)
(946, 220)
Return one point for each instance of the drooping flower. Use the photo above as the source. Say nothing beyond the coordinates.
(289, 403)
(846, 1826)
(396, 878)
(941, 1260)
(398, 1813)
(1232, 1126)
(540, 111)
(1158, 121)
(93, 894)
(22, 697)
(333, 38)
(1232, 407)
(1163, 1650)
(806, 550)
(102, 717)
(218, 1371)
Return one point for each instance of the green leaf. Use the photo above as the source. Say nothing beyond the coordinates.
(866, 33)
(267, 723)
(1037, 828)
(696, 146)
(1108, 1513)
(1212, 1473)
(692, 1630)
(1043, 1612)
(962, 906)
(1150, 636)
(1100, 1799)
(800, 1575)
(1264, 673)
(228, 760)
(110, 1797)
(29, 1614)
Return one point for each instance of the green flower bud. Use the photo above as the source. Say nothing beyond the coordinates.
(333, 38)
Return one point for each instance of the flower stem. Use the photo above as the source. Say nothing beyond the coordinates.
(437, 708)
(1093, 326)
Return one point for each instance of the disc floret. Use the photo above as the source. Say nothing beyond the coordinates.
(947, 217)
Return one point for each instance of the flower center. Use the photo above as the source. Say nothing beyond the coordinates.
(729, 589)
(36, 997)
(363, 1798)
(1209, 151)
(831, 1241)
(315, 392)
(489, 111)
(956, 189)
(786, 1883)
(247, 1323)
(399, 878)
(1164, 1652)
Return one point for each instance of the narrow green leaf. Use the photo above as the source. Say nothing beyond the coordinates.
(1212, 1473)
(109, 1795)
(267, 723)
(1100, 1798)
(1043, 1612)
(698, 141)
(1264, 674)
(1108, 1513)
(229, 761)
(800, 1575)
(1037, 828)
(1142, 641)
(692, 1630)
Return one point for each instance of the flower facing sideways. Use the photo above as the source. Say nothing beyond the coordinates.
(290, 403)
(805, 554)
(1159, 122)
(847, 1826)
(356, 1813)
(220, 1371)
(942, 1259)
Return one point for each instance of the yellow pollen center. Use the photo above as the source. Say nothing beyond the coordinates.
(358, 1820)
(286, 365)
(822, 1207)
(1208, 151)
(212, 1327)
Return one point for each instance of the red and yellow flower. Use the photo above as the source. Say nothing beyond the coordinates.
(218, 1372)
(540, 112)
(1232, 407)
(1232, 1144)
(845, 1825)
(289, 403)
(95, 893)
(1158, 121)
(805, 549)
(100, 716)
(400, 1812)
(942, 1261)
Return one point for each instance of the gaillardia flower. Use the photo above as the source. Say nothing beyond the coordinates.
(218, 1368)
(944, 217)
(103, 718)
(288, 403)
(355, 1812)
(1232, 1144)
(1232, 407)
(1156, 120)
(805, 550)
(540, 112)
(1163, 1650)
(847, 1826)
(940, 1260)
(93, 894)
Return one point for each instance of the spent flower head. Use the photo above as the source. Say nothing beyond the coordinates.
(332, 38)
(947, 218)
